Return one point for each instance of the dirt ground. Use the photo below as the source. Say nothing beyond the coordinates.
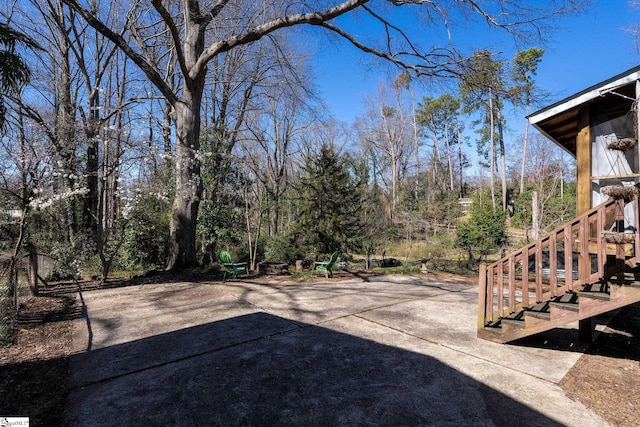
(33, 371)
(607, 378)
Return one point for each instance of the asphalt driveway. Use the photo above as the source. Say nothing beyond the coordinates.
(390, 350)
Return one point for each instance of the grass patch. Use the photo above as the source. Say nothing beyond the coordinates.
(303, 276)
(403, 269)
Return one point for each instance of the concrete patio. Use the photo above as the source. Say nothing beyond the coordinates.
(387, 350)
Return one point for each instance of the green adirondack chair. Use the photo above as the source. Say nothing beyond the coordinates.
(232, 268)
(327, 266)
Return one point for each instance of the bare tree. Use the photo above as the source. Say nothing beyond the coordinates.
(82, 83)
(634, 30)
(282, 112)
(387, 131)
(22, 167)
(204, 30)
(546, 169)
(273, 135)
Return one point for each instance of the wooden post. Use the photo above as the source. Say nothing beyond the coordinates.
(512, 284)
(482, 296)
(525, 278)
(535, 216)
(553, 265)
(584, 262)
(568, 257)
(298, 265)
(620, 255)
(583, 160)
(585, 330)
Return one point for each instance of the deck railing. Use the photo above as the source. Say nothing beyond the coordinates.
(567, 258)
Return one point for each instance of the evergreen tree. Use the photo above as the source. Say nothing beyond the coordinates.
(329, 205)
(482, 90)
(438, 119)
(375, 227)
(146, 237)
(483, 232)
(524, 67)
(13, 69)
(221, 222)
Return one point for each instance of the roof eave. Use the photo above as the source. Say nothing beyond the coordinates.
(579, 99)
(585, 96)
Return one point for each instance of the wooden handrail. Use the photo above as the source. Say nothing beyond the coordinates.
(507, 286)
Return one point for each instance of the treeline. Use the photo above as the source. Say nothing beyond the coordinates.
(93, 175)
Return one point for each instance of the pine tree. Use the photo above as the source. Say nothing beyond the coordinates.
(13, 69)
(482, 90)
(483, 232)
(330, 203)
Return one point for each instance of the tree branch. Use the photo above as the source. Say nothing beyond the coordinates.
(151, 72)
(175, 34)
(215, 10)
(430, 68)
(315, 18)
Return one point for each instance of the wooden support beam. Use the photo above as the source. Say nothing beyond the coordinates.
(482, 296)
(583, 160)
(585, 330)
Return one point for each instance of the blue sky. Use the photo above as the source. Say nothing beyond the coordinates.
(586, 50)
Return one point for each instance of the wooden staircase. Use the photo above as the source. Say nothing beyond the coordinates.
(576, 272)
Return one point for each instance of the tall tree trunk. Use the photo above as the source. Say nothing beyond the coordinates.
(188, 184)
(525, 141)
(449, 160)
(33, 269)
(416, 145)
(90, 214)
(493, 151)
(184, 216)
(535, 220)
(460, 166)
(275, 213)
(503, 161)
(65, 125)
(437, 157)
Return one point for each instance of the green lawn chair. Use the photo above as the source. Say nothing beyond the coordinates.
(232, 268)
(327, 266)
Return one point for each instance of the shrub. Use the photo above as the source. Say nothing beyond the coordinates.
(484, 231)
(146, 239)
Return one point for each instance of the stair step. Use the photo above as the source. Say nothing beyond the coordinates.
(568, 301)
(629, 278)
(599, 291)
(618, 292)
(595, 295)
(566, 298)
(542, 310)
(539, 315)
(510, 324)
(519, 316)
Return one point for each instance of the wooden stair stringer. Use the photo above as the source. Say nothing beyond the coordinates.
(594, 303)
